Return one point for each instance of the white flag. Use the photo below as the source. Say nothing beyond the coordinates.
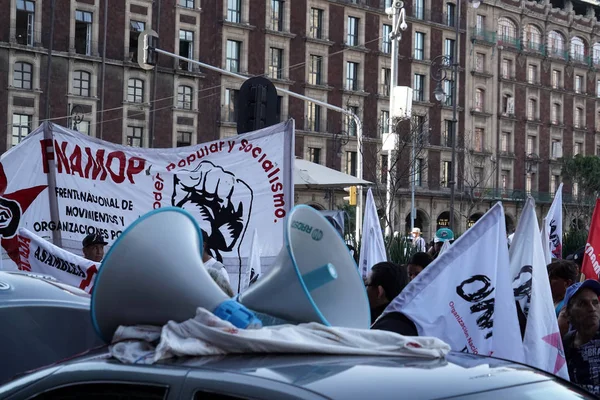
(464, 297)
(542, 341)
(553, 228)
(372, 249)
(252, 264)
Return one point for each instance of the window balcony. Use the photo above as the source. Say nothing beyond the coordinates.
(509, 41)
(484, 36)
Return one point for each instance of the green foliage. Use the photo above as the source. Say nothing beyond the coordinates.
(400, 249)
(585, 170)
(573, 240)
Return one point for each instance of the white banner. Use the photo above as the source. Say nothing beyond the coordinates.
(542, 341)
(232, 186)
(554, 226)
(42, 257)
(464, 297)
(372, 249)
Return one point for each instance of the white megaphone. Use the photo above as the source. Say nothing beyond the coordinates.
(154, 274)
(314, 278)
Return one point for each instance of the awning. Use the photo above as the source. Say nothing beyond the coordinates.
(309, 174)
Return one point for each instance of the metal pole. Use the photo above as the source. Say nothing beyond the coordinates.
(103, 72)
(412, 185)
(389, 208)
(49, 61)
(455, 64)
(154, 84)
(357, 121)
(53, 201)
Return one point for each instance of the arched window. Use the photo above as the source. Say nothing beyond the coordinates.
(184, 97)
(507, 31)
(578, 49)
(596, 53)
(556, 44)
(135, 90)
(81, 83)
(22, 75)
(533, 38)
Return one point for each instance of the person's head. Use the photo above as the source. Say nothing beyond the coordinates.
(220, 281)
(205, 253)
(578, 258)
(385, 281)
(417, 263)
(442, 235)
(582, 305)
(93, 247)
(416, 232)
(562, 274)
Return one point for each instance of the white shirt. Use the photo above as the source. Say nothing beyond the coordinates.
(213, 263)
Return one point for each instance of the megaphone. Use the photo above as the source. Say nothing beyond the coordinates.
(314, 278)
(154, 274)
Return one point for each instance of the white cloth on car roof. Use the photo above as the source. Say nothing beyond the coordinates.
(206, 335)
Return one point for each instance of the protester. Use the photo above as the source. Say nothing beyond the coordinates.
(93, 247)
(417, 263)
(442, 235)
(582, 343)
(385, 281)
(577, 258)
(220, 281)
(418, 242)
(562, 274)
(209, 261)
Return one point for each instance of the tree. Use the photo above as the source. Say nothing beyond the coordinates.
(583, 172)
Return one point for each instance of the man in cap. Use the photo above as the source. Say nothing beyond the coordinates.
(442, 235)
(93, 247)
(582, 343)
(418, 241)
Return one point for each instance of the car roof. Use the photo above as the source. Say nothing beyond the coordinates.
(332, 376)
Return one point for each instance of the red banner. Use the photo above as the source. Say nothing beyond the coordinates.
(591, 259)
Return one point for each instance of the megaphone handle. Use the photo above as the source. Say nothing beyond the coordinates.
(237, 314)
(319, 277)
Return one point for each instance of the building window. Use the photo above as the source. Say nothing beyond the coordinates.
(532, 109)
(449, 90)
(598, 88)
(184, 139)
(577, 148)
(83, 127)
(232, 63)
(419, 87)
(230, 108)
(556, 149)
(21, 126)
(478, 175)
(351, 163)
(507, 32)
(313, 119)
(81, 83)
(135, 90)
(276, 63)
(135, 135)
(579, 120)
(575, 189)
(446, 168)
(419, 9)
(507, 68)
(450, 14)
(505, 142)
(531, 147)
(314, 155)
(184, 97)
(351, 76)
(315, 73)
(277, 15)
(352, 38)
(25, 22)
(234, 11)
(532, 74)
(556, 114)
(316, 23)
(419, 172)
(578, 84)
(386, 79)
(479, 139)
(386, 41)
(556, 44)
(385, 122)
(578, 49)
(419, 46)
(447, 133)
(504, 178)
(556, 79)
(135, 28)
(480, 62)
(383, 175)
(528, 182)
(449, 50)
(350, 122)
(22, 75)
(480, 24)
(83, 32)
(186, 3)
(533, 38)
(186, 48)
(508, 104)
(554, 183)
(479, 100)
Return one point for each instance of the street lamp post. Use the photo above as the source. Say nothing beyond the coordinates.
(439, 67)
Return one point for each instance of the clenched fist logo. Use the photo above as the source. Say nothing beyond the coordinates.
(223, 201)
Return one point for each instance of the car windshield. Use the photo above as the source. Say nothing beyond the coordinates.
(534, 391)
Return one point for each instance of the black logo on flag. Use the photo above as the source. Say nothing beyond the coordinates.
(10, 216)
(476, 290)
